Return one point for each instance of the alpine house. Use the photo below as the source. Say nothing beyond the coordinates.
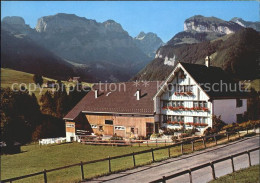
(190, 97)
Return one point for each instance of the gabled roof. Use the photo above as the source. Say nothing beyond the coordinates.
(213, 80)
(208, 78)
(119, 101)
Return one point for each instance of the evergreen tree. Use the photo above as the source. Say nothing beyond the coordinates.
(48, 104)
(20, 115)
(38, 79)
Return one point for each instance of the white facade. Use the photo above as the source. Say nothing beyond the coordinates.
(228, 109)
(193, 107)
(70, 137)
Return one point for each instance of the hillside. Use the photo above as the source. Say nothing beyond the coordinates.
(237, 53)
(10, 76)
(21, 53)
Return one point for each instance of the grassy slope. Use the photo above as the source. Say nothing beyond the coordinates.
(248, 175)
(35, 158)
(10, 76)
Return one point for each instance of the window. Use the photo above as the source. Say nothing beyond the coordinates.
(93, 126)
(187, 88)
(109, 122)
(100, 128)
(199, 119)
(169, 118)
(239, 117)
(165, 103)
(120, 128)
(195, 104)
(195, 119)
(178, 118)
(173, 104)
(133, 130)
(200, 104)
(164, 118)
(170, 89)
(239, 103)
(70, 125)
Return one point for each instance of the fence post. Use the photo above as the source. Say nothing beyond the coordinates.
(82, 170)
(163, 179)
(169, 152)
(165, 142)
(45, 176)
(249, 158)
(190, 175)
(238, 134)
(139, 143)
(227, 136)
(232, 164)
(246, 130)
(192, 144)
(215, 139)
(147, 143)
(213, 171)
(134, 158)
(156, 143)
(109, 164)
(182, 148)
(152, 154)
(204, 143)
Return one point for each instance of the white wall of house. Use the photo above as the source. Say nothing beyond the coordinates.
(228, 110)
(198, 95)
(69, 135)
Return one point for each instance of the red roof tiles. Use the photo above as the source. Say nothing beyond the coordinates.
(122, 100)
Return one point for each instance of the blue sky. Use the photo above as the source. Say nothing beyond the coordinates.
(165, 18)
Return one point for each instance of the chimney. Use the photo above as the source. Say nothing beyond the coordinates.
(207, 61)
(138, 94)
(96, 93)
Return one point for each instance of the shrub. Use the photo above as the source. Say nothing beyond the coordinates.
(115, 137)
(250, 124)
(174, 139)
(155, 135)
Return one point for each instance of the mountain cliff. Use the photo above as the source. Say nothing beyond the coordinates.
(148, 43)
(19, 52)
(232, 47)
(247, 24)
(106, 49)
(210, 24)
(199, 28)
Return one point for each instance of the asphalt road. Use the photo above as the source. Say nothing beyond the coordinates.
(157, 170)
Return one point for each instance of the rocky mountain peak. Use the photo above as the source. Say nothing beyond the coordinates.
(111, 25)
(200, 23)
(247, 24)
(13, 20)
(148, 42)
(140, 36)
(63, 22)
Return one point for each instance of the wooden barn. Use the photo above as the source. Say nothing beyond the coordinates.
(124, 109)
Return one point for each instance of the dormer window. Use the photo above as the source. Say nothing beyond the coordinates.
(239, 103)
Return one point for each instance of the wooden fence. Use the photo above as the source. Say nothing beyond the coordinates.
(108, 159)
(209, 164)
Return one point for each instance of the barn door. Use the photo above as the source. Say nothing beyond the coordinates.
(149, 129)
